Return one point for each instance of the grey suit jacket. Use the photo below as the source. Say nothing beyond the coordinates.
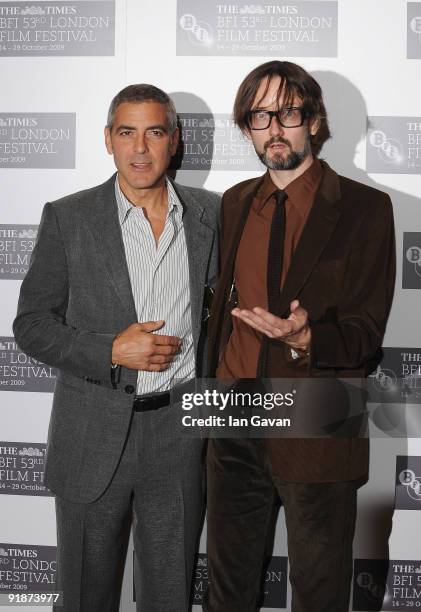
(74, 299)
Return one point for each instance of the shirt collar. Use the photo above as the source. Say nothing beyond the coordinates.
(125, 207)
(300, 192)
(174, 203)
(265, 192)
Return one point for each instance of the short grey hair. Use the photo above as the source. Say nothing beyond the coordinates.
(143, 93)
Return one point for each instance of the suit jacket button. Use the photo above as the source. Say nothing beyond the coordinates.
(129, 389)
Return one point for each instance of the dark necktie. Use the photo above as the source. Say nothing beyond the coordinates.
(274, 270)
(276, 253)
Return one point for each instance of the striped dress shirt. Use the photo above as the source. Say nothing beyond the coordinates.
(159, 275)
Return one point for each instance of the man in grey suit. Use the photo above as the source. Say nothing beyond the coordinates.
(114, 298)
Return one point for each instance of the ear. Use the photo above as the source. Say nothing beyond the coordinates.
(108, 143)
(175, 138)
(314, 125)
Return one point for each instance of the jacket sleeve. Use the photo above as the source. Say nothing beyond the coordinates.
(350, 334)
(40, 327)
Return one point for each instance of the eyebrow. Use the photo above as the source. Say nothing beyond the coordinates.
(265, 108)
(159, 126)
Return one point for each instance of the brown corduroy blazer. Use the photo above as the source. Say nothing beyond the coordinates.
(343, 273)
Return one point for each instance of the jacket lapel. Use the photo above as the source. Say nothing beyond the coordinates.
(232, 234)
(105, 226)
(199, 240)
(320, 225)
(220, 321)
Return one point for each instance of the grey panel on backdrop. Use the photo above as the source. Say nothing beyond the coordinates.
(274, 585)
(214, 142)
(411, 260)
(19, 372)
(302, 29)
(37, 140)
(397, 379)
(16, 245)
(393, 145)
(408, 483)
(82, 28)
(22, 468)
(27, 568)
(386, 585)
(413, 30)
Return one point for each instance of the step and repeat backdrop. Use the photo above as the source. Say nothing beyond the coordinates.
(61, 63)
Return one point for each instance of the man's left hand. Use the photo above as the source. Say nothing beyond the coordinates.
(294, 331)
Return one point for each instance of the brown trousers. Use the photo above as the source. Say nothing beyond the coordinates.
(320, 521)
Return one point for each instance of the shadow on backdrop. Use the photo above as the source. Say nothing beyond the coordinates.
(188, 105)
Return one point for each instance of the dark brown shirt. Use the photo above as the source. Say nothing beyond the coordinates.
(242, 351)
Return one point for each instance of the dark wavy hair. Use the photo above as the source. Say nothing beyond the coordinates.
(295, 81)
(143, 92)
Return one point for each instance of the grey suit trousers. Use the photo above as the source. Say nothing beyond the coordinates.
(157, 488)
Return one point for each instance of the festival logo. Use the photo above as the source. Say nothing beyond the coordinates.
(19, 372)
(393, 145)
(369, 588)
(16, 245)
(84, 27)
(27, 568)
(408, 483)
(386, 585)
(214, 142)
(411, 260)
(37, 140)
(274, 594)
(299, 29)
(413, 30)
(22, 468)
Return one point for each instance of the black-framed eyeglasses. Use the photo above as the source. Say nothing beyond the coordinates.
(292, 116)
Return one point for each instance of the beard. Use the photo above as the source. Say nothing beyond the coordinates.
(289, 162)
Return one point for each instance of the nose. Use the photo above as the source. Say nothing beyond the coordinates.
(275, 128)
(140, 143)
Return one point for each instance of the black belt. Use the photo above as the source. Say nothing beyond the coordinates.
(142, 403)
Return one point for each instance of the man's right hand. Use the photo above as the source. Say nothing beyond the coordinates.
(139, 349)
